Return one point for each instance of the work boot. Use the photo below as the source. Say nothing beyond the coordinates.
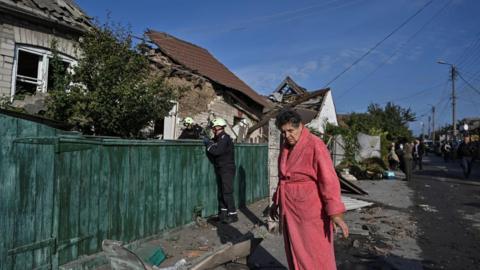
(222, 216)
(231, 218)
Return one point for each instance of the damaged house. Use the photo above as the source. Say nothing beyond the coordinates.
(315, 112)
(210, 89)
(27, 28)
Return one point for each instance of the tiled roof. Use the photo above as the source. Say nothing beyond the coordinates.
(202, 62)
(65, 12)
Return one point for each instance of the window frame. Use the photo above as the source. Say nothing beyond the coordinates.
(42, 70)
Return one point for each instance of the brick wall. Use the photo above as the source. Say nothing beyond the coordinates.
(218, 107)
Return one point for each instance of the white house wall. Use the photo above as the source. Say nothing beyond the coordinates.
(327, 114)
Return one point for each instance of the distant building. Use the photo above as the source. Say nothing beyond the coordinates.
(27, 28)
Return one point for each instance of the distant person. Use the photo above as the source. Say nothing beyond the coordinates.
(191, 131)
(307, 201)
(446, 151)
(393, 160)
(408, 160)
(399, 152)
(418, 152)
(466, 153)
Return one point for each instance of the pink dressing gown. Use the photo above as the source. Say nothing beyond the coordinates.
(308, 193)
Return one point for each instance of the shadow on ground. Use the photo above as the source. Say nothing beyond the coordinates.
(260, 258)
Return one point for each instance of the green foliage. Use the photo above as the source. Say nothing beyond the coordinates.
(390, 123)
(350, 142)
(112, 90)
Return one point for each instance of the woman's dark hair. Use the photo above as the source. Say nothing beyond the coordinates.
(288, 116)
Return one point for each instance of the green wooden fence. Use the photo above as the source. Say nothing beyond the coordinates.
(62, 194)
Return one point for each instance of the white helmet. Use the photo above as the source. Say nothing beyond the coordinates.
(219, 122)
(187, 121)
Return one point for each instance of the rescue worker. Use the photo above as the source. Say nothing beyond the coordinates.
(191, 131)
(220, 151)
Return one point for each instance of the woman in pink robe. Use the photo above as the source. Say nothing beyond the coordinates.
(308, 197)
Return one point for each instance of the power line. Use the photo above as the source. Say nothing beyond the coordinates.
(398, 49)
(463, 58)
(415, 94)
(468, 83)
(378, 44)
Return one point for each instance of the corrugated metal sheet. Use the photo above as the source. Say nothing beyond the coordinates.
(78, 191)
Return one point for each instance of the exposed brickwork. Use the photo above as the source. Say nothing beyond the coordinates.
(273, 152)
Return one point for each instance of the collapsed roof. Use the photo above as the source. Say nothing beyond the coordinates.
(199, 60)
(288, 91)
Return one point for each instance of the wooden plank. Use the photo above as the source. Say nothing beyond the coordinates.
(24, 230)
(84, 198)
(92, 245)
(170, 194)
(8, 185)
(105, 194)
(162, 189)
(44, 202)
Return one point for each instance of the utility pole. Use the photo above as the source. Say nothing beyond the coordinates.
(433, 124)
(453, 74)
(423, 129)
(429, 132)
(454, 122)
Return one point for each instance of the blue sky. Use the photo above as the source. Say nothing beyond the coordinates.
(313, 41)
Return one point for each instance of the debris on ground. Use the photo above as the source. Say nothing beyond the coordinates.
(428, 208)
(351, 203)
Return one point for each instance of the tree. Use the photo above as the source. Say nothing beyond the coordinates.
(389, 122)
(112, 90)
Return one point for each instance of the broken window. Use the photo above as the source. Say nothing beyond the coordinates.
(32, 71)
(28, 79)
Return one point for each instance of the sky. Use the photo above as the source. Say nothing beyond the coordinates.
(314, 41)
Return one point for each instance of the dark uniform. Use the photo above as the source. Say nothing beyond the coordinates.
(221, 152)
(466, 152)
(192, 132)
(408, 160)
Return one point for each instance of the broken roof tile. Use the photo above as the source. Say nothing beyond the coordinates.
(65, 12)
(200, 60)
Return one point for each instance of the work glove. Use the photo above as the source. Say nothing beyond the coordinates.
(206, 140)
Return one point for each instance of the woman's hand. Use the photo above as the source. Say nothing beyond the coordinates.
(274, 212)
(339, 222)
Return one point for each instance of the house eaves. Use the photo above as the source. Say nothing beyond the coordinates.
(62, 14)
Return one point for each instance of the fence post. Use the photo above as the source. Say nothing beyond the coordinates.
(273, 152)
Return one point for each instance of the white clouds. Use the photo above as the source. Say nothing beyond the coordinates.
(266, 77)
